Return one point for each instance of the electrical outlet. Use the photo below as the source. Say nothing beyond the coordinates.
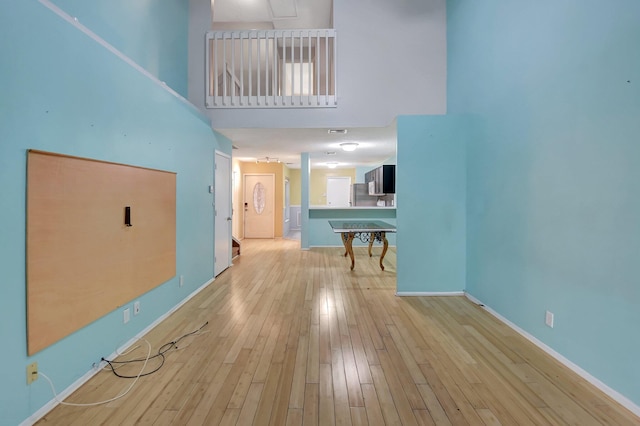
(136, 308)
(126, 315)
(32, 372)
(181, 280)
(548, 319)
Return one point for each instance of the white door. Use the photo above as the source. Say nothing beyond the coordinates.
(259, 203)
(338, 191)
(222, 249)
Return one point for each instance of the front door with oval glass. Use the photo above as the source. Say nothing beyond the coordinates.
(259, 203)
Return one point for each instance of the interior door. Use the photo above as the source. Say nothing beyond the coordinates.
(222, 246)
(259, 203)
(338, 190)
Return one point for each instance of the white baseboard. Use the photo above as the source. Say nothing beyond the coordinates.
(428, 293)
(363, 245)
(612, 393)
(32, 419)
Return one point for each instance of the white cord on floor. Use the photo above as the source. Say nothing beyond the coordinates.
(55, 394)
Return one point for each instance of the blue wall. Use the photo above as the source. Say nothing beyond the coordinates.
(431, 202)
(63, 92)
(154, 33)
(553, 182)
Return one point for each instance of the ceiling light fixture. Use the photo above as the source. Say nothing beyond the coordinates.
(332, 165)
(267, 160)
(338, 131)
(349, 146)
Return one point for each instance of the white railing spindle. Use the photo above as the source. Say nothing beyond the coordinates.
(250, 72)
(258, 92)
(212, 91)
(310, 79)
(293, 61)
(224, 70)
(275, 70)
(326, 65)
(316, 68)
(266, 71)
(334, 73)
(241, 68)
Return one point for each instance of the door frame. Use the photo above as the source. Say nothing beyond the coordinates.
(217, 262)
(244, 192)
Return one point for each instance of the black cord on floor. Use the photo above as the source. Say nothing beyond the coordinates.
(160, 355)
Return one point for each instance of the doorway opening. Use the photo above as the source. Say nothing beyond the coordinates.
(222, 256)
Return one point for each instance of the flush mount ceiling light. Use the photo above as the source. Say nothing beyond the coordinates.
(332, 165)
(348, 146)
(337, 131)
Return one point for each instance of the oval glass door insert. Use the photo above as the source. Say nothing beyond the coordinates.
(258, 198)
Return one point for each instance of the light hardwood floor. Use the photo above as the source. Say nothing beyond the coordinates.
(294, 337)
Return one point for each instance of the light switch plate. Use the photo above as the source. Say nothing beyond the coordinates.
(548, 319)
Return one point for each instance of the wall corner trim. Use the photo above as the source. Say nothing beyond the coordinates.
(74, 21)
(612, 393)
(32, 419)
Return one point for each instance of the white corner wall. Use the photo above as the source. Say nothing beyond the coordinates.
(200, 18)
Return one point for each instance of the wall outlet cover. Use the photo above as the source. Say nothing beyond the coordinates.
(32, 372)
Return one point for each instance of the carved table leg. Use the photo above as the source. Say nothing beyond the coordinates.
(384, 248)
(344, 242)
(349, 247)
(372, 236)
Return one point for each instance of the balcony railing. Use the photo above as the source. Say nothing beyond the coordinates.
(271, 69)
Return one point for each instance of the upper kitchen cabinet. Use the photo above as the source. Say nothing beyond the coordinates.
(381, 180)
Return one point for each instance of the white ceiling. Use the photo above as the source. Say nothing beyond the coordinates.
(282, 14)
(375, 144)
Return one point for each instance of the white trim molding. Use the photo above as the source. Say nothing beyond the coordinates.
(428, 293)
(615, 395)
(74, 21)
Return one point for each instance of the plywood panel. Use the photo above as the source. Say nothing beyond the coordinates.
(82, 260)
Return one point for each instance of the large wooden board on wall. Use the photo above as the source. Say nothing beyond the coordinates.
(83, 261)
